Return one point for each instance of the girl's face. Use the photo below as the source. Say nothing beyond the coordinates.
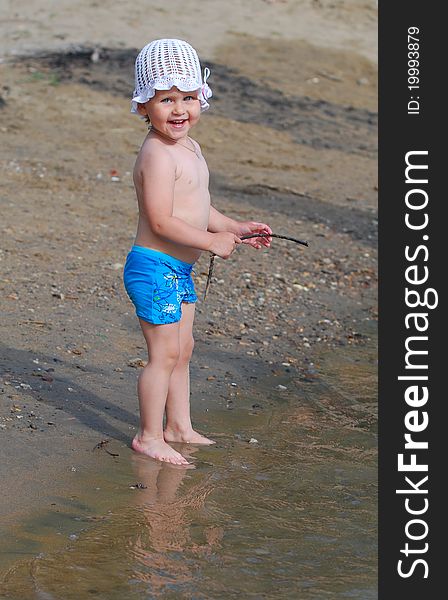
(172, 112)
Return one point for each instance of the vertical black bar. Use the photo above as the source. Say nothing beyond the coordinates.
(411, 121)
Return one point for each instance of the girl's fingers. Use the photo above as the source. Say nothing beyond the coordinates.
(265, 228)
(261, 227)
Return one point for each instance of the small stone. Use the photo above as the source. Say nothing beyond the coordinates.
(253, 441)
(138, 486)
(137, 362)
(95, 56)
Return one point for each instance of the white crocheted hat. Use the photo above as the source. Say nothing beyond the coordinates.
(164, 63)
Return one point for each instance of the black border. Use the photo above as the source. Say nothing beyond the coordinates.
(400, 133)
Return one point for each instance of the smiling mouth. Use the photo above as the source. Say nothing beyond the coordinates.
(177, 122)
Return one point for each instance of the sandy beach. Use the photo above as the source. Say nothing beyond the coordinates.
(290, 139)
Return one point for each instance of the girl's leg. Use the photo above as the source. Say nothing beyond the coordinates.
(153, 382)
(178, 426)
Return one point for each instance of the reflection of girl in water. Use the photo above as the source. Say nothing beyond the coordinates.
(145, 543)
(167, 525)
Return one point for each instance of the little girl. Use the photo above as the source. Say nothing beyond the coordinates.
(176, 223)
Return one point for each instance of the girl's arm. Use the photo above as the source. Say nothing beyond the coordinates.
(219, 222)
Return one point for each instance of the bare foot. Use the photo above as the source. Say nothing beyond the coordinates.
(188, 437)
(158, 449)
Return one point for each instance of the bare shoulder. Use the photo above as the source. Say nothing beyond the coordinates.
(198, 151)
(196, 144)
(154, 156)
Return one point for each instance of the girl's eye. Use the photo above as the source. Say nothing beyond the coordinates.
(166, 100)
(189, 98)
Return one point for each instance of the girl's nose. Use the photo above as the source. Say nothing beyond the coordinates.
(178, 108)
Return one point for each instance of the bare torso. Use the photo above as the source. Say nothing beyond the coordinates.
(191, 201)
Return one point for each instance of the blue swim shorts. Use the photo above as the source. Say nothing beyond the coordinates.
(157, 284)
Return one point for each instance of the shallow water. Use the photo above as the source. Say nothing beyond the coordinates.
(291, 515)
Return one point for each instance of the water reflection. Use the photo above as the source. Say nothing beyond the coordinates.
(292, 515)
(168, 519)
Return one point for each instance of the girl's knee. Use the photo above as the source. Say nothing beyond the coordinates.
(186, 350)
(166, 356)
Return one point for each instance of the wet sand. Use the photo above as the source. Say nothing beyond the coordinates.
(290, 139)
(284, 505)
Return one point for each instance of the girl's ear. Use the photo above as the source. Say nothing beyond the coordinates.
(141, 110)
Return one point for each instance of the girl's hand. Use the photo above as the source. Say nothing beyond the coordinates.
(248, 227)
(224, 243)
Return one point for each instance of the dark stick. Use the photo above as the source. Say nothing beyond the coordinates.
(281, 237)
(247, 237)
(210, 273)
